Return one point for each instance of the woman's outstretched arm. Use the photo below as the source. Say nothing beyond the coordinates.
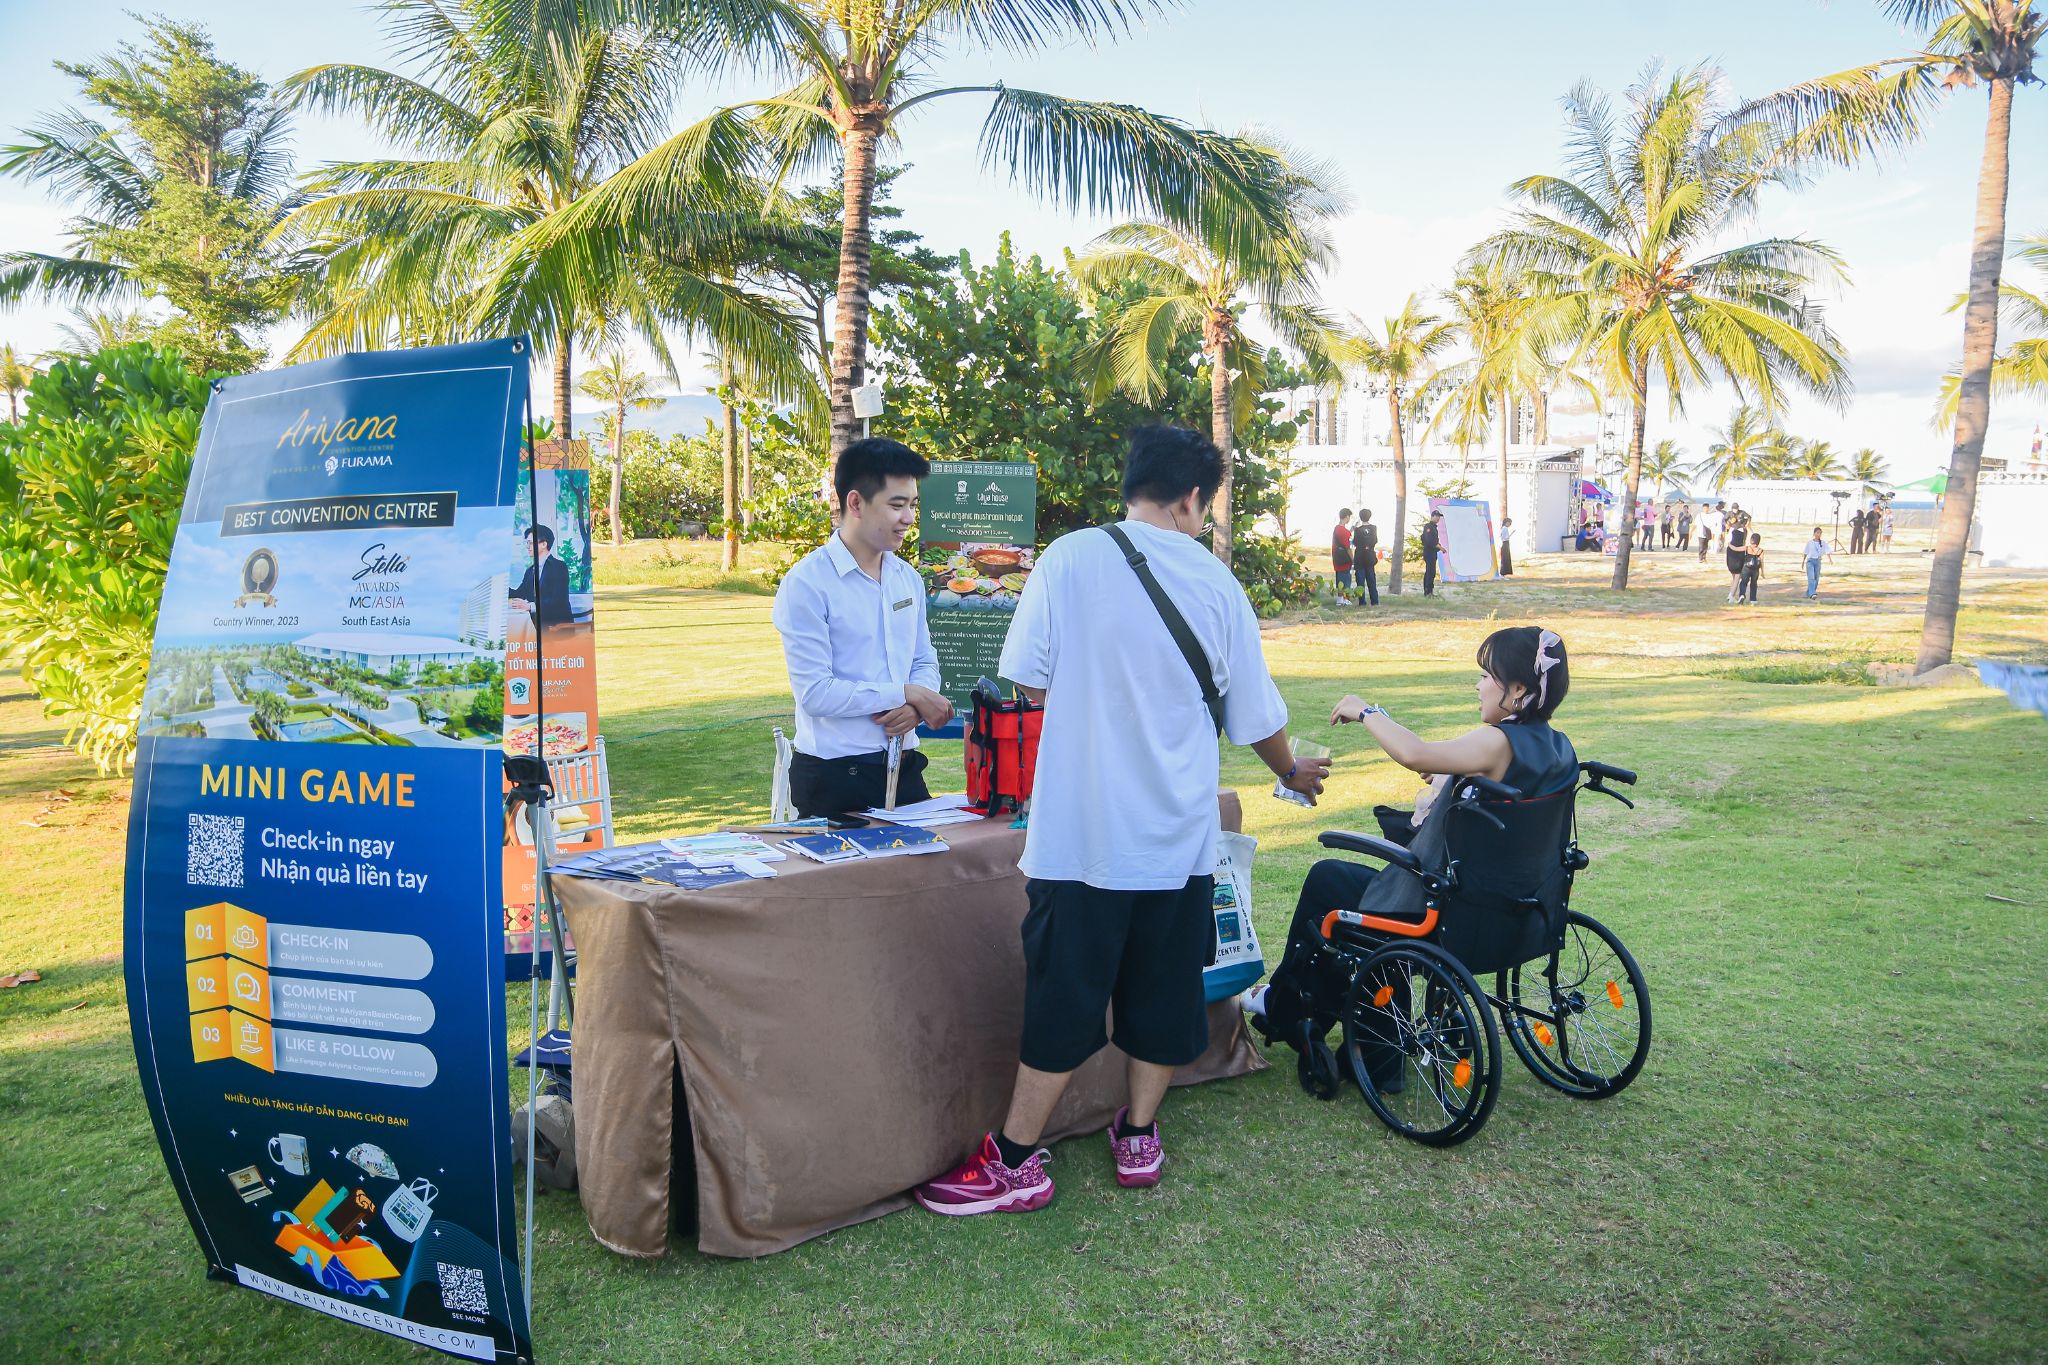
(1483, 752)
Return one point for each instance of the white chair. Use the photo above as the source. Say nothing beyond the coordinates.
(582, 781)
(780, 808)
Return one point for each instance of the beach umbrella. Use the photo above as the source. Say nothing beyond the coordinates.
(1936, 484)
(1589, 489)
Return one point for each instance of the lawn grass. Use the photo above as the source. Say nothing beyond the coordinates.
(1836, 1152)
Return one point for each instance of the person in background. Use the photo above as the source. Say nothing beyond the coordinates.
(1365, 544)
(1432, 537)
(1856, 534)
(1646, 520)
(1684, 527)
(1752, 570)
(1664, 526)
(861, 662)
(1884, 530)
(1507, 547)
(1735, 556)
(1121, 847)
(1710, 524)
(1815, 548)
(1340, 554)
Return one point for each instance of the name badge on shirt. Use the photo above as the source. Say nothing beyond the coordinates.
(899, 606)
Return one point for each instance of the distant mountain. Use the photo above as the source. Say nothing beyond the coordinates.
(680, 414)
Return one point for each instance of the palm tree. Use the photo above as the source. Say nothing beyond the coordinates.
(1867, 467)
(851, 73)
(94, 330)
(1816, 460)
(1741, 448)
(16, 375)
(1623, 254)
(509, 137)
(1487, 307)
(1401, 356)
(1860, 113)
(1664, 463)
(2022, 368)
(614, 380)
(1195, 289)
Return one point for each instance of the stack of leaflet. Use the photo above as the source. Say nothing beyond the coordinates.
(940, 810)
(749, 854)
(882, 841)
(647, 863)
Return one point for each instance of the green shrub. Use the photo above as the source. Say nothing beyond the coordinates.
(91, 480)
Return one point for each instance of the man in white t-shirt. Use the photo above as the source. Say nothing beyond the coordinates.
(1711, 523)
(1121, 848)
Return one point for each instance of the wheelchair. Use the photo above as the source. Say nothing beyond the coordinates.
(1420, 1038)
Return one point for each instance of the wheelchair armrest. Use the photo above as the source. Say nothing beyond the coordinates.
(1372, 846)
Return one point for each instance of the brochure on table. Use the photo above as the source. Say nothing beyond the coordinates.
(977, 533)
(314, 922)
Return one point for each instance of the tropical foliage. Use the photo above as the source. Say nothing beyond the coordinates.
(1399, 357)
(2021, 368)
(615, 381)
(176, 189)
(97, 465)
(1625, 255)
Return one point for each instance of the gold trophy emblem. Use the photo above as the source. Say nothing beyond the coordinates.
(259, 576)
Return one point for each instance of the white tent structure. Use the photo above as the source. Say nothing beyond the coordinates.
(2012, 520)
(1543, 488)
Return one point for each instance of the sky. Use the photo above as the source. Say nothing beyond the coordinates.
(1427, 113)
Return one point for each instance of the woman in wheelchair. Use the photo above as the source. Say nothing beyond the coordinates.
(1523, 678)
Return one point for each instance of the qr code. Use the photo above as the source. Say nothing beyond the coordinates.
(213, 850)
(462, 1288)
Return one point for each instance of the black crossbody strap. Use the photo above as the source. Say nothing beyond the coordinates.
(1176, 625)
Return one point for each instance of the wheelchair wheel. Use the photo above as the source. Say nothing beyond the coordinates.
(1420, 1043)
(1588, 1027)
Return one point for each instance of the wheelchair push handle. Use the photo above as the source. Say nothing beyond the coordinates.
(1599, 774)
(1470, 790)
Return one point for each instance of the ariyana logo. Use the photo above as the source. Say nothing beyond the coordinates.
(335, 438)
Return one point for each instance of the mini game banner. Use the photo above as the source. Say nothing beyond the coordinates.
(314, 931)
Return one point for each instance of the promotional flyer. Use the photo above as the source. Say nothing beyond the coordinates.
(313, 905)
(555, 692)
(977, 532)
(1465, 549)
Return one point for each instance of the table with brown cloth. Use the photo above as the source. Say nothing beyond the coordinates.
(841, 1032)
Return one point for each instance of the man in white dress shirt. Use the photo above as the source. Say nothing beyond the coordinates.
(861, 663)
(1122, 841)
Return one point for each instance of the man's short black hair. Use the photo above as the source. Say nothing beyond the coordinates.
(866, 466)
(1167, 463)
(1343, 512)
(544, 534)
(1365, 516)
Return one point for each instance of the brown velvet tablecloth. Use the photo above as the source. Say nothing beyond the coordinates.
(841, 1033)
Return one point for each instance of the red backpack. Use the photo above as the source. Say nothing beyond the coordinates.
(1002, 751)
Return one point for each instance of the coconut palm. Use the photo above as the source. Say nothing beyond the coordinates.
(1816, 460)
(614, 380)
(850, 74)
(1865, 111)
(94, 330)
(1867, 467)
(508, 136)
(1487, 307)
(1194, 290)
(1742, 447)
(1663, 463)
(1624, 253)
(2022, 367)
(1401, 356)
(16, 374)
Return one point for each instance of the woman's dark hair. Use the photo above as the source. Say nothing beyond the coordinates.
(1509, 656)
(1166, 463)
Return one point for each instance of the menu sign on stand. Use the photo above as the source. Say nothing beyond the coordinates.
(313, 909)
(977, 532)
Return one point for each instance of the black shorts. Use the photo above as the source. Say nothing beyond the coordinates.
(1086, 949)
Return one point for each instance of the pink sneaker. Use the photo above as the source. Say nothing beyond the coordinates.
(1138, 1159)
(983, 1184)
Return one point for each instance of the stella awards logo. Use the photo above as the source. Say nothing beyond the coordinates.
(259, 576)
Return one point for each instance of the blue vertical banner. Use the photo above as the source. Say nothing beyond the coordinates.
(314, 947)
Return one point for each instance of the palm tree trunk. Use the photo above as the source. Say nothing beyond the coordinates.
(729, 449)
(1638, 415)
(1500, 513)
(562, 349)
(618, 473)
(1400, 532)
(1539, 402)
(746, 476)
(1219, 432)
(1973, 407)
(850, 311)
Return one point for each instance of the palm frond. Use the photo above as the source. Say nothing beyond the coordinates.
(67, 279)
